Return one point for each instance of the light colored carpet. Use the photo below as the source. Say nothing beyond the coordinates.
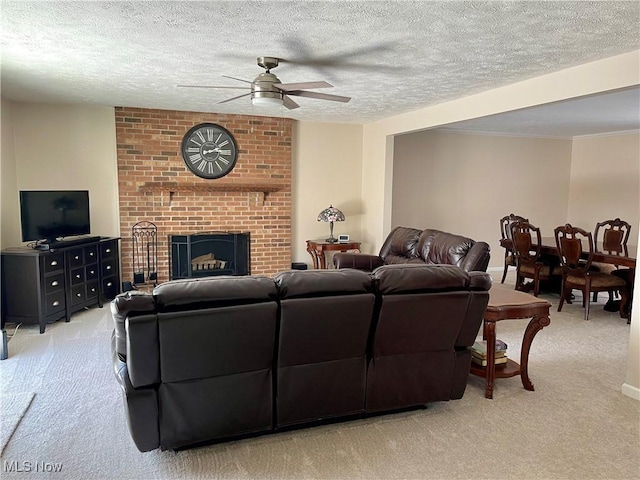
(576, 425)
(12, 409)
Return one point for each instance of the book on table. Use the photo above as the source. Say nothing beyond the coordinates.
(483, 361)
(480, 347)
(479, 352)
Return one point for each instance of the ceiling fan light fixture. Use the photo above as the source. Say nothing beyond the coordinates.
(266, 99)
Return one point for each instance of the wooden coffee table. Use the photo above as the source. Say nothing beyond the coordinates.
(504, 304)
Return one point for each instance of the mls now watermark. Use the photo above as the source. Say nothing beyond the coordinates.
(27, 467)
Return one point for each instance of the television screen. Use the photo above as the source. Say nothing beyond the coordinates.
(50, 215)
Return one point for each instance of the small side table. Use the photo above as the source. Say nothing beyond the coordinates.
(316, 249)
(504, 304)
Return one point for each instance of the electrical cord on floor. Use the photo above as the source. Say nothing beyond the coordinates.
(10, 336)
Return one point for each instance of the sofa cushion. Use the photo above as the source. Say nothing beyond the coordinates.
(401, 243)
(208, 290)
(435, 246)
(297, 283)
(392, 279)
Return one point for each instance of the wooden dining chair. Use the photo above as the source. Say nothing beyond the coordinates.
(505, 231)
(575, 247)
(613, 241)
(527, 245)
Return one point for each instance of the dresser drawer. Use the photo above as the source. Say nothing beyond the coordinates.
(110, 287)
(77, 276)
(107, 250)
(91, 254)
(54, 283)
(75, 257)
(78, 294)
(91, 272)
(92, 290)
(109, 267)
(54, 302)
(53, 262)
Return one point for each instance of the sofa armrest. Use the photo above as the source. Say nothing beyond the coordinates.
(141, 406)
(358, 261)
(477, 258)
(125, 304)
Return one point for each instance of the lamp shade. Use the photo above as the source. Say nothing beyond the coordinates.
(331, 214)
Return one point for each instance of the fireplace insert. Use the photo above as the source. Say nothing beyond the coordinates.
(209, 253)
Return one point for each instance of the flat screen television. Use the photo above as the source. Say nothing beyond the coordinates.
(53, 214)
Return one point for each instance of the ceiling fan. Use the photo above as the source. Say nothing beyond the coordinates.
(267, 90)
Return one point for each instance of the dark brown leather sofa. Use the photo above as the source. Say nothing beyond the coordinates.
(410, 245)
(201, 360)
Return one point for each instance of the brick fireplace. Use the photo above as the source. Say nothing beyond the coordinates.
(155, 185)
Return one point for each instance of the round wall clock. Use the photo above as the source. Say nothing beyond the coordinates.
(209, 150)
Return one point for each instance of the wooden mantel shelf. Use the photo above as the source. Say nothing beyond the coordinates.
(210, 187)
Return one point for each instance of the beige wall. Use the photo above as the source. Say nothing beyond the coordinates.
(327, 169)
(464, 183)
(66, 147)
(612, 73)
(605, 181)
(9, 205)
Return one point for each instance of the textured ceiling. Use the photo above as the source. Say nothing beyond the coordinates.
(391, 57)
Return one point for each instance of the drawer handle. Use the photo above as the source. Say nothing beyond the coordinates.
(92, 272)
(77, 257)
(55, 283)
(54, 263)
(91, 254)
(77, 276)
(109, 284)
(108, 250)
(56, 303)
(93, 289)
(78, 295)
(108, 267)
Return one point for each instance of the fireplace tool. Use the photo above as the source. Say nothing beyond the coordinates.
(145, 253)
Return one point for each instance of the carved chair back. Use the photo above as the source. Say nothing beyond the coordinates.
(571, 241)
(615, 235)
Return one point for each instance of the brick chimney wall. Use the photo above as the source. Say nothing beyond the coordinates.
(156, 186)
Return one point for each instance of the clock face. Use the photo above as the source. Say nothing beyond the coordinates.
(209, 150)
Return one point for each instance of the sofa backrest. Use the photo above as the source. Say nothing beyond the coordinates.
(410, 245)
(416, 298)
(228, 327)
(427, 314)
(325, 320)
(401, 245)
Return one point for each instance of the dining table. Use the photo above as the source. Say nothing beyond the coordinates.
(625, 257)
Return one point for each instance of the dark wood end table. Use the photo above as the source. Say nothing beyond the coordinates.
(504, 304)
(316, 249)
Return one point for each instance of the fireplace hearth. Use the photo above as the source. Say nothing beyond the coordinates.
(209, 253)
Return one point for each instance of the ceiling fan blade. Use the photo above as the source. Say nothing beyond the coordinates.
(211, 86)
(320, 96)
(309, 56)
(287, 102)
(239, 79)
(234, 98)
(287, 87)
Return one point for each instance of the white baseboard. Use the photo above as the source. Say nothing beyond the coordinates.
(630, 391)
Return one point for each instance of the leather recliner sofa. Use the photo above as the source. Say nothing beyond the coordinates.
(410, 245)
(207, 359)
